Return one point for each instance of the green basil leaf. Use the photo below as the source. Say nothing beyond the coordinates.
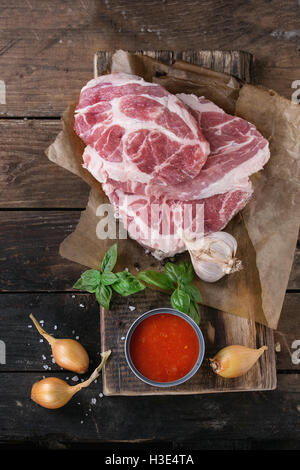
(110, 259)
(193, 292)
(108, 278)
(187, 272)
(194, 312)
(180, 300)
(103, 295)
(182, 273)
(172, 271)
(158, 279)
(88, 281)
(127, 284)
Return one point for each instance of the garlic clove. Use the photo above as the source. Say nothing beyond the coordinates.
(207, 270)
(225, 241)
(235, 360)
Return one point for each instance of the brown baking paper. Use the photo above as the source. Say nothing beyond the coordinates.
(266, 230)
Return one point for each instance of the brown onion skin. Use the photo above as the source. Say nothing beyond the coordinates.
(57, 389)
(76, 361)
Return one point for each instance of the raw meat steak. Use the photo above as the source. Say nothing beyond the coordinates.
(139, 132)
(238, 150)
(155, 222)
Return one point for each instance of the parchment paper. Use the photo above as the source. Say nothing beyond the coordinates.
(266, 230)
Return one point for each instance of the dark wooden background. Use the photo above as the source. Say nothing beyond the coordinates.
(46, 55)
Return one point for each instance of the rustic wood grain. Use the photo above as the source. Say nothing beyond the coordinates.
(79, 312)
(46, 54)
(29, 257)
(47, 48)
(28, 178)
(219, 328)
(261, 416)
(64, 315)
(236, 63)
(287, 336)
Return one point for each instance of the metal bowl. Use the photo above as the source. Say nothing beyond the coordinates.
(195, 327)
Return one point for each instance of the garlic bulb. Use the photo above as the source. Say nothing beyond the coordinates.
(213, 255)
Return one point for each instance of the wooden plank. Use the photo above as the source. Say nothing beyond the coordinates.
(46, 49)
(235, 63)
(287, 336)
(266, 415)
(23, 167)
(80, 313)
(28, 178)
(29, 254)
(29, 251)
(219, 328)
(64, 315)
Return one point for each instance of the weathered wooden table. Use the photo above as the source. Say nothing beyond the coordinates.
(46, 52)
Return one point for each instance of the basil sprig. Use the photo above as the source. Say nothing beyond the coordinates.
(177, 279)
(103, 282)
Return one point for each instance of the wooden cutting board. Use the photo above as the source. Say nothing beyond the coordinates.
(219, 329)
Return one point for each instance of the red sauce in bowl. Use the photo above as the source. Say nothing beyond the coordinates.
(164, 347)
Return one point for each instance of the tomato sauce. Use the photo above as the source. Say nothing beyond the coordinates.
(164, 347)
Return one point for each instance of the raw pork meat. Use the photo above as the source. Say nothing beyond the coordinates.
(139, 132)
(238, 150)
(150, 150)
(156, 222)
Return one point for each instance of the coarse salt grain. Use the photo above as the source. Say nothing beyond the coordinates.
(131, 308)
(93, 401)
(75, 378)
